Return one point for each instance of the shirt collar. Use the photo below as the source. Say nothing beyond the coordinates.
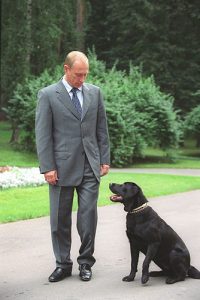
(68, 86)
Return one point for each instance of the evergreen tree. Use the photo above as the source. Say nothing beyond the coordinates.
(14, 65)
(162, 35)
(36, 35)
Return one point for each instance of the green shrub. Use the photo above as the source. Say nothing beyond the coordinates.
(21, 108)
(192, 124)
(139, 114)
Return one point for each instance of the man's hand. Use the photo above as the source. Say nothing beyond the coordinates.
(104, 170)
(51, 177)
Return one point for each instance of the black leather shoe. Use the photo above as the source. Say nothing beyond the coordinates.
(85, 272)
(59, 274)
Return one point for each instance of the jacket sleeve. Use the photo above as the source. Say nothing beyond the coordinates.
(102, 133)
(43, 132)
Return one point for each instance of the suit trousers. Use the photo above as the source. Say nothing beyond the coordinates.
(61, 200)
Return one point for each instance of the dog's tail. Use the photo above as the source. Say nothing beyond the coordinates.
(193, 273)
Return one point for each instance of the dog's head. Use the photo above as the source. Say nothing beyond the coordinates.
(128, 193)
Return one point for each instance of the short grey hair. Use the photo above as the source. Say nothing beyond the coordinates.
(73, 56)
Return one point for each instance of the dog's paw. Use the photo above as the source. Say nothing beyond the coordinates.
(171, 280)
(145, 278)
(128, 278)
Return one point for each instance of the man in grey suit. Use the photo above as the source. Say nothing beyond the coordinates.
(73, 151)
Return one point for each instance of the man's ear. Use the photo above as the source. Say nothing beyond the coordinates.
(66, 68)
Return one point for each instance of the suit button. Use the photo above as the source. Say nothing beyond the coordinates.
(83, 152)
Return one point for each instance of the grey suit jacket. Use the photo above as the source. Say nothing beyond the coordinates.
(63, 139)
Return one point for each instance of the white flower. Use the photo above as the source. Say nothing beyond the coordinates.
(18, 177)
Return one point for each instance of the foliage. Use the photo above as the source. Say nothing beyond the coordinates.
(21, 108)
(163, 36)
(13, 50)
(192, 124)
(139, 114)
(35, 35)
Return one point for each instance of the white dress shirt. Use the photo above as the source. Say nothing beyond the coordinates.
(69, 88)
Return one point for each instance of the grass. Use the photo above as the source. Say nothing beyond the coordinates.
(177, 164)
(187, 157)
(26, 203)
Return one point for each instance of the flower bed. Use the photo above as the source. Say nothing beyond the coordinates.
(20, 177)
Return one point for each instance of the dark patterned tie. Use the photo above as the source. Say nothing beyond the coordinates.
(76, 101)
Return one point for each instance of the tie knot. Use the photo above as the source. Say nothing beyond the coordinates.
(74, 90)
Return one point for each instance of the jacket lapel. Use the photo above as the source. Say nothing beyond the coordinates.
(87, 98)
(64, 97)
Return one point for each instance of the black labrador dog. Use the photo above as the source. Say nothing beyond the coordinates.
(151, 235)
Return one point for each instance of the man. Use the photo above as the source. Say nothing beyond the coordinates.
(73, 150)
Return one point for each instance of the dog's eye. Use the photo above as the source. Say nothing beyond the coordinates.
(124, 190)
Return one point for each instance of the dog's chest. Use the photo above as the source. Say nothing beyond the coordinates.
(136, 225)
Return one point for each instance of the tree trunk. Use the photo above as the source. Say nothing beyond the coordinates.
(15, 135)
(28, 34)
(80, 22)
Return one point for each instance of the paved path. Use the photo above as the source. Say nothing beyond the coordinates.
(187, 172)
(26, 258)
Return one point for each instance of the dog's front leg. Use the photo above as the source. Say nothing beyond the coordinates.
(134, 261)
(151, 252)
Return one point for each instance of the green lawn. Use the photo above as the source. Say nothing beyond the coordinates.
(187, 157)
(25, 203)
(177, 164)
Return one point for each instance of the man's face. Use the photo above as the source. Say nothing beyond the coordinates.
(76, 74)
